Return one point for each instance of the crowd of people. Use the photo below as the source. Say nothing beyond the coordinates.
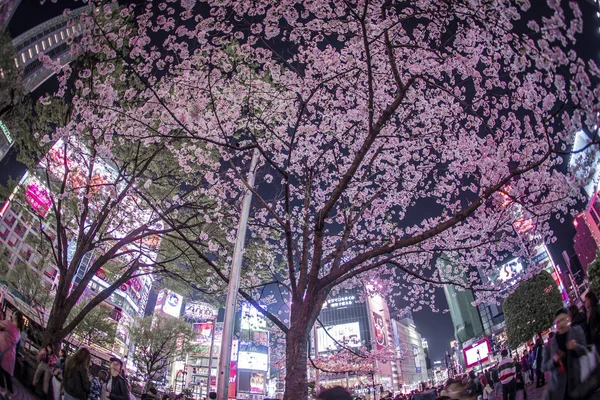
(562, 358)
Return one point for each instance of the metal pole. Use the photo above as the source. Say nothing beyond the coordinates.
(316, 356)
(212, 343)
(234, 284)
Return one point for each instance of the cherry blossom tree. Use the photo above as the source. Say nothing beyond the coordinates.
(387, 133)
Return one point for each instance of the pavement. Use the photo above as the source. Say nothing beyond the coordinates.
(533, 393)
(21, 392)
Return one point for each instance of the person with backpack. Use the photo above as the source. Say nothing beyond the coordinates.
(10, 334)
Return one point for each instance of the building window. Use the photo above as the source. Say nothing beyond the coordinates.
(23, 57)
(55, 38)
(43, 45)
(30, 53)
(16, 62)
(49, 41)
(37, 49)
(62, 35)
(69, 32)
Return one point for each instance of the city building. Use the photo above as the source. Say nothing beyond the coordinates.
(411, 364)
(6, 140)
(465, 317)
(587, 236)
(197, 370)
(51, 38)
(21, 217)
(350, 324)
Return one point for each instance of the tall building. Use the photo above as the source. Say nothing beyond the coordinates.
(6, 140)
(51, 38)
(356, 324)
(587, 236)
(412, 363)
(465, 316)
(22, 217)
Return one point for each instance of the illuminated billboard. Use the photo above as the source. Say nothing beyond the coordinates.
(197, 310)
(507, 271)
(253, 361)
(203, 333)
(346, 334)
(37, 195)
(169, 303)
(476, 353)
(252, 319)
(257, 382)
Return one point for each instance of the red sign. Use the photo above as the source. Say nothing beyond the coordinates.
(123, 287)
(135, 284)
(233, 379)
(38, 198)
(101, 274)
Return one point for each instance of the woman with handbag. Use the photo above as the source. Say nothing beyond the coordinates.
(76, 377)
(10, 334)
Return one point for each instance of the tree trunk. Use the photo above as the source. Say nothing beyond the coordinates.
(54, 332)
(296, 378)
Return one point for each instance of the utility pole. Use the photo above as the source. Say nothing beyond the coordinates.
(234, 285)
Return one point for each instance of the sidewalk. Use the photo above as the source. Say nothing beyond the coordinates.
(533, 393)
(21, 392)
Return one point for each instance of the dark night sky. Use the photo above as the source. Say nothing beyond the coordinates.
(436, 327)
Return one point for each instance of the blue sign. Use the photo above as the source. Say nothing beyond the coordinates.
(540, 257)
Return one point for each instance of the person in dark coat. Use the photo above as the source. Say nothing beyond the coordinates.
(593, 319)
(76, 379)
(335, 393)
(538, 361)
(577, 317)
(565, 347)
(116, 389)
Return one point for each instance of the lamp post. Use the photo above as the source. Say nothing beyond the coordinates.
(234, 284)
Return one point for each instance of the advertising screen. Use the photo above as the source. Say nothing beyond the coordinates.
(417, 360)
(252, 319)
(232, 392)
(379, 328)
(257, 382)
(347, 334)
(253, 361)
(196, 310)
(38, 196)
(476, 353)
(509, 271)
(169, 303)
(203, 333)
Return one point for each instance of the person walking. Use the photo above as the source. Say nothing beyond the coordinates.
(76, 378)
(525, 367)
(538, 360)
(520, 379)
(561, 362)
(507, 372)
(116, 388)
(10, 334)
(593, 319)
(43, 373)
(496, 380)
(485, 384)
